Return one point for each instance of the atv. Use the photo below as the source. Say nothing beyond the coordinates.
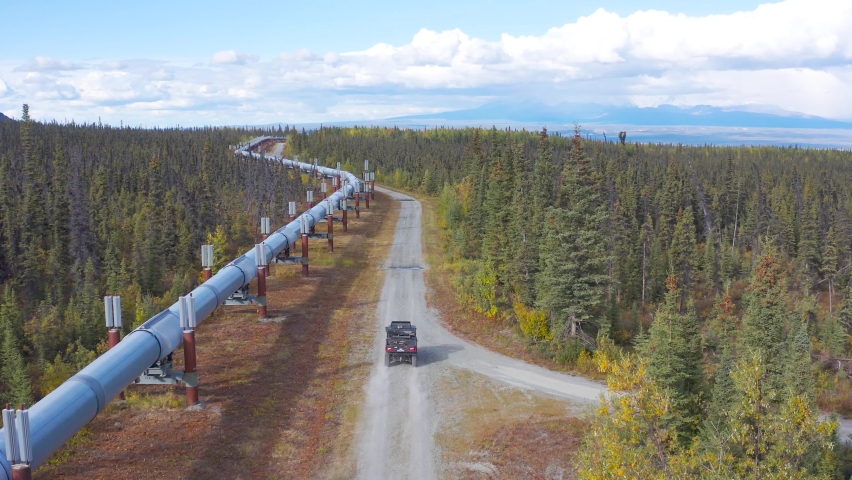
(401, 343)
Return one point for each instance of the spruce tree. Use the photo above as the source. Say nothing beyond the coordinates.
(844, 314)
(722, 399)
(13, 370)
(829, 264)
(496, 246)
(675, 360)
(541, 196)
(522, 262)
(682, 248)
(574, 257)
(9, 224)
(646, 240)
(799, 372)
(59, 256)
(711, 264)
(766, 314)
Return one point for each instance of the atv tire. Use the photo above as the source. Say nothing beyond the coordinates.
(414, 361)
(387, 360)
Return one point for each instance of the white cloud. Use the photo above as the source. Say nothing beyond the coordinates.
(113, 65)
(47, 64)
(232, 57)
(795, 55)
(299, 56)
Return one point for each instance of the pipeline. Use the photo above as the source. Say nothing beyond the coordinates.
(62, 413)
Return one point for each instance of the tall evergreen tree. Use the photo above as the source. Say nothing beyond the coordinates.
(675, 360)
(574, 257)
(682, 249)
(59, 257)
(522, 263)
(13, 369)
(496, 247)
(766, 315)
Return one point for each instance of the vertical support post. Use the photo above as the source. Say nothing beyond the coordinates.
(207, 261)
(260, 260)
(330, 219)
(264, 228)
(367, 195)
(188, 322)
(16, 433)
(373, 184)
(112, 311)
(334, 183)
(292, 210)
(324, 190)
(22, 471)
(316, 168)
(310, 199)
(365, 185)
(345, 207)
(357, 204)
(304, 246)
(339, 178)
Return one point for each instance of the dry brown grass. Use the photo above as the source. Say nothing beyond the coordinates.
(279, 394)
(498, 431)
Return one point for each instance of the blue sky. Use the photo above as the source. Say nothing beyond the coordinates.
(163, 29)
(195, 63)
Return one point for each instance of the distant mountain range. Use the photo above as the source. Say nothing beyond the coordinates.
(589, 115)
(4, 117)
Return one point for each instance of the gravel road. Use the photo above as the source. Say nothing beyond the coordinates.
(396, 435)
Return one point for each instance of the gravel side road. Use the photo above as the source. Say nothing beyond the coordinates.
(396, 435)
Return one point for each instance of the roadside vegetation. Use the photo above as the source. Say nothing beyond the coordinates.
(711, 283)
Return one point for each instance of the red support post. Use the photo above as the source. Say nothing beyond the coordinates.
(261, 292)
(114, 335)
(345, 221)
(373, 189)
(190, 374)
(357, 204)
(208, 274)
(22, 471)
(330, 220)
(367, 200)
(304, 254)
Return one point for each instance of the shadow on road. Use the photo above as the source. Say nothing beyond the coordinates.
(436, 353)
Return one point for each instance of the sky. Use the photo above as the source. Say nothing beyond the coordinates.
(215, 63)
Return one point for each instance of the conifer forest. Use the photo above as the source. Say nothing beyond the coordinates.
(709, 286)
(88, 210)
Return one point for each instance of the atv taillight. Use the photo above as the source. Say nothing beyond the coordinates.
(413, 349)
(388, 349)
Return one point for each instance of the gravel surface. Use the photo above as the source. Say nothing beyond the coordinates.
(396, 435)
